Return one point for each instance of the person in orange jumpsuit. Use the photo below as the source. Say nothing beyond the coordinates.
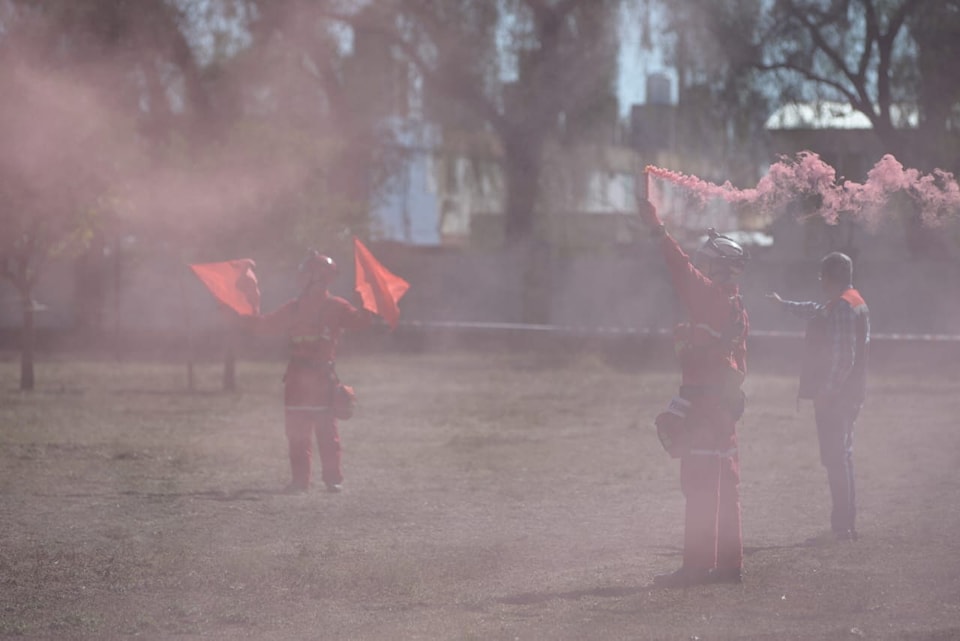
(711, 347)
(313, 323)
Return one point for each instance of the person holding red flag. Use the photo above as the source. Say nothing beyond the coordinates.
(699, 428)
(313, 323)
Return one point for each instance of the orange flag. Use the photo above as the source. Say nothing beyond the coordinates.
(233, 283)
(379, 289)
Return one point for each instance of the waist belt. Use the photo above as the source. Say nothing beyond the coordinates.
(311, 338)
(691, 392)
(312, 363)
(727, 453)
(731, 398)
(306, 408)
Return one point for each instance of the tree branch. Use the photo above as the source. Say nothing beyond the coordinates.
(864, 107)
(871, 35)
(885, 46)
(821, 43)
(465, 91)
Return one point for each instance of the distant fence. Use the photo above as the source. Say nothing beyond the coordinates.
(769, 350)
(566, 330)
(472, 291)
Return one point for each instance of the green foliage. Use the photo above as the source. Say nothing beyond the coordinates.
(527, 71)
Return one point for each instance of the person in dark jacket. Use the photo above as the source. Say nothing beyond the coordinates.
(834, 377)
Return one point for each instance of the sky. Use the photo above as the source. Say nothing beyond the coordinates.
(635, 63)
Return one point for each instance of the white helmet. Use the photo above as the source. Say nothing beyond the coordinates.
(720, 257)
(318, 267)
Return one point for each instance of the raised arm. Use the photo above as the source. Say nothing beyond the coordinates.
(805, 310)
(690, 284)
(353, 318)
(276, 322)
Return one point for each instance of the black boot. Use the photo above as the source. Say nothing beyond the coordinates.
(682, 578)
(726, 575)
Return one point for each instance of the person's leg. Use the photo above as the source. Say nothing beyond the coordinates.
(729, 530)
(847, 516)
(299, 429)
(835, 436)
(700, 482)
(299, 420)
(328, 443)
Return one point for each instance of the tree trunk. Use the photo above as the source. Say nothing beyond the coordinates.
(28, 338)
(188, 330)
(117, 292)
(230, 364)
(537, 282)
(523, 235)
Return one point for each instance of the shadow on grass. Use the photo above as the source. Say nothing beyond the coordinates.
(748, 550)
(246, 494)
(174, 391)
(532, 598)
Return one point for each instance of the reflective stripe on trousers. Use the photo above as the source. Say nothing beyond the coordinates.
(712, 531)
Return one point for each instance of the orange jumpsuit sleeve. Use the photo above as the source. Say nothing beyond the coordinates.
(277, 322)
(693, 288)
(352, 318)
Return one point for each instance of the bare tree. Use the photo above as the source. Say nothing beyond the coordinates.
(722, 102)
(53, 175)
(526, 70)
(333, 96)
(936, 31)
(77, 79)
(891, 60)
(847, 50)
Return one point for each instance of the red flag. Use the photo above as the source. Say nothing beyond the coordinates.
(379, 289)
(233, 282)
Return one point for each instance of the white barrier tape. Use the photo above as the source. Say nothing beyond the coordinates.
(601, 331)
(916, 337)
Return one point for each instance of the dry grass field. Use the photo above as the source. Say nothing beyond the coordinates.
(499, 496)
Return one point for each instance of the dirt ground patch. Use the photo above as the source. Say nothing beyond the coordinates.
(496, 497)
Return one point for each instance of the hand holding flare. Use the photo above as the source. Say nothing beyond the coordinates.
(646, 211)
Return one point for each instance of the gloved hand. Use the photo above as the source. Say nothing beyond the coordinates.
(231, 318)
(647, 214)
(357, 299)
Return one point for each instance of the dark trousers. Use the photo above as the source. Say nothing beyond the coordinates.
(835, 419)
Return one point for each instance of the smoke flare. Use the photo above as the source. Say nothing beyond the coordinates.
(936, 196)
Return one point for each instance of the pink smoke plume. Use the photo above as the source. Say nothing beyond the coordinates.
(807, 176)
